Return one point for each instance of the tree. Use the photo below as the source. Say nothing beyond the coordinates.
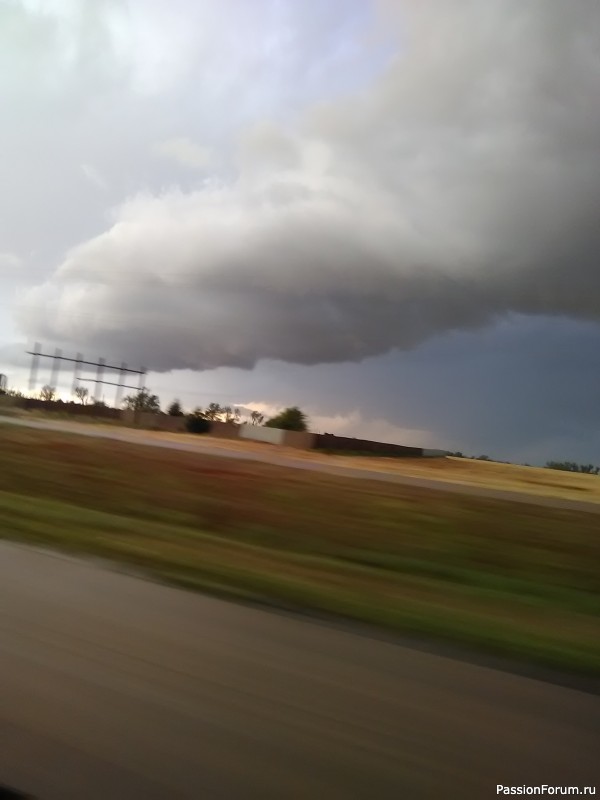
(290, 419)
(83, 394)
(197, 422)
(142, 401)
(229, 414)
(571, 466)
(48, 393)
(212, 412)
(217, 413)
(175, 409)
(256, 418)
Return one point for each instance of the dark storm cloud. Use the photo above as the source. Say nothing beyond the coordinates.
(463, 185)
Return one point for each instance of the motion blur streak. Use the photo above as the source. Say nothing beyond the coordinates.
(116, 687)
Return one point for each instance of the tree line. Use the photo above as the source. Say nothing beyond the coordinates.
(198, 420)
(290, 419)
(565, 466)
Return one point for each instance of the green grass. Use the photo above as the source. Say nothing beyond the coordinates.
(508, 578)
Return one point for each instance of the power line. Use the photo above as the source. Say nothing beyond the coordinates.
(88, 363)
(109, 383)
(80, 361)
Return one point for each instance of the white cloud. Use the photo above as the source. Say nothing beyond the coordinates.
(9, 262)
(93, 176)
(185, 152)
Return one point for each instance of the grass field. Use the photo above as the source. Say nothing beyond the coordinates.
(460, 471)
(504, 577)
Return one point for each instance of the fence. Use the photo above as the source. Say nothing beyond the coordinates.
(328, 441)
(224, 430)
(302, 440)
(257, 433)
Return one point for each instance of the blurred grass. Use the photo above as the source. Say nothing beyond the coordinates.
(36, 414)
(508, 578)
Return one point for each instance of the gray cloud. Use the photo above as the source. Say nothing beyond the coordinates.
(462, 185)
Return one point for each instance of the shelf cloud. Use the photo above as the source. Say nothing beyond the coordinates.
(460, 185)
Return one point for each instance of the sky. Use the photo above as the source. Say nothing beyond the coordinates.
(384, 211)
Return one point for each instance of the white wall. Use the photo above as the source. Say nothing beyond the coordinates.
(259, 434)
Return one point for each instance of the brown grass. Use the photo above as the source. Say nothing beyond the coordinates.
(509, 577)
(461, 471)
(457, 471)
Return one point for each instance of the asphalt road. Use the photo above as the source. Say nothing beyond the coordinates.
(115, 687)
(271, 456)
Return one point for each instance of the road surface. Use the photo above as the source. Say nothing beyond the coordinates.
(115, 687)
(270, 456)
